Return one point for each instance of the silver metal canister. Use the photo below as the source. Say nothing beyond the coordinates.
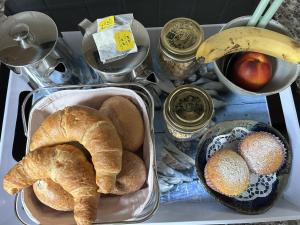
(187, 112)
(179, 41)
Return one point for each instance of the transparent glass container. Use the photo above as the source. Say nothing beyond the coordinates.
(178, 44)
(187, 112)
(176, 68)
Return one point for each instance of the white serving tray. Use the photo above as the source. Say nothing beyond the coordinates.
(188, 212)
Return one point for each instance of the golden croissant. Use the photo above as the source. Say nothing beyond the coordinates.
(96, 133)
(131, 178)
(64, 164)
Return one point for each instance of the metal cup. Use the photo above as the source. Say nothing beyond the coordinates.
(284, 73)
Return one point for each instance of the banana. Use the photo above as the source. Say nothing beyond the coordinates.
(254, 39)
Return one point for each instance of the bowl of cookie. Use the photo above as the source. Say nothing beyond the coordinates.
(244, 164)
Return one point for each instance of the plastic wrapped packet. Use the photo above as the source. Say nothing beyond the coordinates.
(114, 39)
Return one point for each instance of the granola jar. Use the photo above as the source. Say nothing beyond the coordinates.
(178, 44)
(187, 112)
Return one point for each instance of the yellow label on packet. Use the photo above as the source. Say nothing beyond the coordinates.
(106, 22)
(124, 40)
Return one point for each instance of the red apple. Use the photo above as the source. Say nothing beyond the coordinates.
(251, 70)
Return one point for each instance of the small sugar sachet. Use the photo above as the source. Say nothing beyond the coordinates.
(114, 38)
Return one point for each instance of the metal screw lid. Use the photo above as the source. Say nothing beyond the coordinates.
(26, 38)
(188, 108)
(181, 37)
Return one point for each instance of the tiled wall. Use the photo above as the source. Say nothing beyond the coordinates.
(68, 13)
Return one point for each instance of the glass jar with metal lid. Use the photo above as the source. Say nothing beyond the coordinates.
(187, 112)
(178, 44)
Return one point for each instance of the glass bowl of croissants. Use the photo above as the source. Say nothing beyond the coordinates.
(90, 157)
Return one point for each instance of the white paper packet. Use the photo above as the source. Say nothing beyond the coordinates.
(114, 39)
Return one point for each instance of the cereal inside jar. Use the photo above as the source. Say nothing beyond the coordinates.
(179, 41)
(187, 112)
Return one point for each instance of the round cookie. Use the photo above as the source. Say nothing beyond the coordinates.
(263, 152)
(127, 119)
(227, 172)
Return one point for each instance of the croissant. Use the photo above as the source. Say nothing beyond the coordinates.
(53, 195)
(96, 133)
(64, 164)
(131, 178)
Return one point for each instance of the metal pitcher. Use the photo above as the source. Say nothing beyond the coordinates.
(30, 45)
(133, 66)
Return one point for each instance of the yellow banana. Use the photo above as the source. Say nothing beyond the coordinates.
(254, 39)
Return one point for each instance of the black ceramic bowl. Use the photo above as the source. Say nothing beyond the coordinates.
(260, 204)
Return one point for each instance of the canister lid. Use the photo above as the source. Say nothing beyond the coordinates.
(188, 108)
(181, 37)
(121, 66)
(26, 38)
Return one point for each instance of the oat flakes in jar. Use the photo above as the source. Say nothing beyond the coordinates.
(178, 44)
